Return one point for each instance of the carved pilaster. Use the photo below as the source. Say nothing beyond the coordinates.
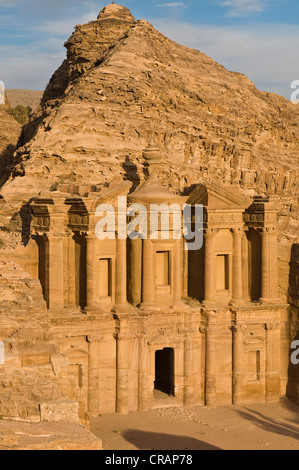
(148, 280)
(93, 374)
(238, 364)
(55, 270)
(237, 265)
(273, 360)
(209, 265)
(91, 241)
(122, 372)
(265, 265)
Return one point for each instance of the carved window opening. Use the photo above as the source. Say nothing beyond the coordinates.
(80, 269)
(222, 270)
(164, 371)
(162, 268)
(254, 365)
(105, 277)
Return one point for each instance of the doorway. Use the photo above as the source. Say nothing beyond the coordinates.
(164, 371)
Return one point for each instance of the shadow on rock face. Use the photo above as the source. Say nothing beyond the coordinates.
(158, 441)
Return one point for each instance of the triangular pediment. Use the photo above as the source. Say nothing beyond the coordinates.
(218, 196)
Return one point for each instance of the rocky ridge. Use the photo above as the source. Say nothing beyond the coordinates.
(124, 84)
(26, 377)
(10, 132)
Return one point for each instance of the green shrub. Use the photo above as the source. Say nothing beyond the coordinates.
(20, 113)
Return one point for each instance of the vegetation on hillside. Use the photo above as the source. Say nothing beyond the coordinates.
(20, 113)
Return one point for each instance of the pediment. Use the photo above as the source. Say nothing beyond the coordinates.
(218, 196)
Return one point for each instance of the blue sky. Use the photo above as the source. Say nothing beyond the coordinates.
(256, 37)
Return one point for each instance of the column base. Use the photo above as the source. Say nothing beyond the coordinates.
(122, 308)
(148, 306)
(215, 303)
(237, 302)
(179, 304)
(94, 310)
(270, 301)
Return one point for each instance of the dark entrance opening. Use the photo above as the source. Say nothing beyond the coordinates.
(164, 371)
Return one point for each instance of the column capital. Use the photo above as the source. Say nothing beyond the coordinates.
(209, 232)
(140, 334)
(187, 331)
(54, 235)
(265, 231)
(90, 235)
(121, 336)
(271, 326)
(94, 338)
(237, 231)
(238, 328)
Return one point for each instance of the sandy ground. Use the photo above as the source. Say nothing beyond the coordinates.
(24, 97)
(253, 427)
(16, 435)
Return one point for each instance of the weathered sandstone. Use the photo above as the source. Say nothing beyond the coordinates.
(108, 323)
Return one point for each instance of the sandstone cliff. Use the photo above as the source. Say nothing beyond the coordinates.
(10, 132)
(123, 84)
(26, 377)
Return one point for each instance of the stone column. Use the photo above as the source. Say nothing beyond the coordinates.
(143, 376)
(185, 270)
(276, 362)
(265, 265)
(209, 266)
(91, 260)
(238, 363)
(237, 265)
(211, 360)
(71, 270)
(148, 275)
(189, 385)
(245, 267)
(273, 362)
(93, 374)
(269, 360)
(273, 265)
(121, 276)
(135, 278)
(177, 279)
(55, 271)
(122, 373)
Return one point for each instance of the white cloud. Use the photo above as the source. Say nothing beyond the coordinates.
(31, 66)
(172, 5)
(65, 27)
(239, 8)
(7, 3)
(267, 54)
(27, 67)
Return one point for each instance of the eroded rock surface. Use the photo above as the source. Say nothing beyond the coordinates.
(10, 132)
(26, 373)
(124, 83)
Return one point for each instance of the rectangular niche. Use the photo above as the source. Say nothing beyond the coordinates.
(162, 269)
(222, 271)
(105, 277)
(254, 365)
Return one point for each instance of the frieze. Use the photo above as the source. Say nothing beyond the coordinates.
(78, 219)
(41, 221)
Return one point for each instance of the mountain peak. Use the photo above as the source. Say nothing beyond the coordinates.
(124, 83)
(114, 11)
